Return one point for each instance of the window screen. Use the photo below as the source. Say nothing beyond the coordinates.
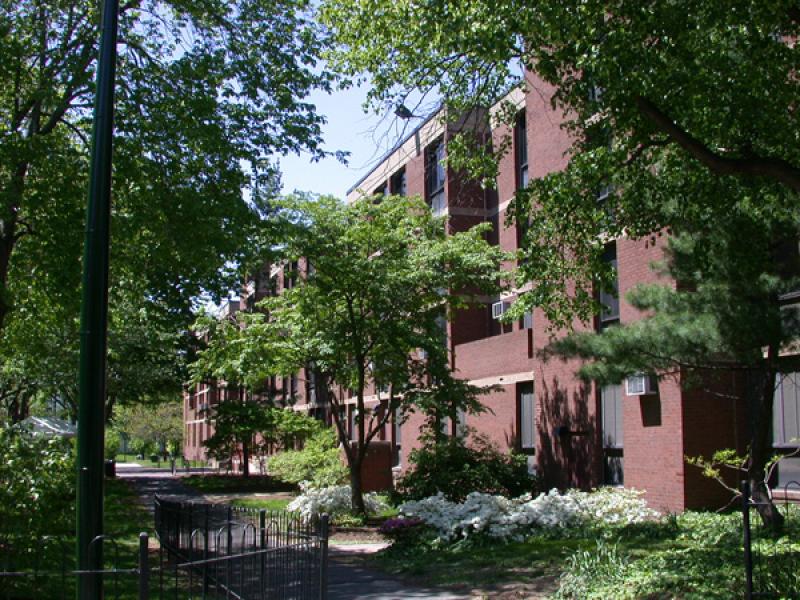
(786, 411)
(527, 416)
(611, 400)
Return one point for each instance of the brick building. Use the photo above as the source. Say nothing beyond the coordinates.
(575, 434)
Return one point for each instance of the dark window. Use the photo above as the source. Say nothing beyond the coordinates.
(521, 150)
(397, 183)
(609, 297)
(290, 275)
(383, 190)
(526, 415)
(435, 176)
(611, 413)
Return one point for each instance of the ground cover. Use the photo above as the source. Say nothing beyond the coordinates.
(691, 556)
(124, 519)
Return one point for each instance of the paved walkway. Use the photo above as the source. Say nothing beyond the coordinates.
(348, 578)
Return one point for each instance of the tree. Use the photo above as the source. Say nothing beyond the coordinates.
(383, 276)
(685, 110)
(250, 424)
(160, 425)
(208, 94)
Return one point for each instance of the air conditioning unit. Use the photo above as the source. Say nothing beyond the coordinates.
(499, 308)
(641, 385)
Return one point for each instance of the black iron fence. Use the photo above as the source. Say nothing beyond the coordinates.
(205, 551)
(33, 568)
(211, 551)
(772, 561)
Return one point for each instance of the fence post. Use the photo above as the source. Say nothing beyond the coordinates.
(144, 568)
(323, 556)
(748, 555)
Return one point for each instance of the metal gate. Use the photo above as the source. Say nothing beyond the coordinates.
(215, 551)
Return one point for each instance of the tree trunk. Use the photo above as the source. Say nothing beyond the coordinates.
(763, 392)
(356, 488)
(8, 233)
(246, 459)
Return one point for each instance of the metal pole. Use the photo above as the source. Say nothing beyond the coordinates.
(323, 556)
(144, 568)
(94, 315)
(748, 551)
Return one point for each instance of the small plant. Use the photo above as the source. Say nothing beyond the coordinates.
(585, 568)
(455, 468)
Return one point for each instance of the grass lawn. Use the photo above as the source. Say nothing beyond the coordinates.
(262, 503)
(222, 484)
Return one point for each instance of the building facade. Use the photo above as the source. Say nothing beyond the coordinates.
(575, 434)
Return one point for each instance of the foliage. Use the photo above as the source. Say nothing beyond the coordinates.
(254, 426)
(319, 462)
(700, 558)
(38, 490)
(455, 467)
(585, 566)
(383, 275)
(200, 118)
(111, 443)
(159, 426)
(504, 518)
(336, 501)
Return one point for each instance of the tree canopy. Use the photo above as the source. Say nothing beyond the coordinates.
(382, 276)
(208, 95)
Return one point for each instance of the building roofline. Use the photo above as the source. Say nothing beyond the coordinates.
(397, 145)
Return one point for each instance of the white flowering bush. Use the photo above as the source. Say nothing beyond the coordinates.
(517, 518)
(334, 500)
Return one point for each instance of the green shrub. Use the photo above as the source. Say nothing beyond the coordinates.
(456, 468)
(318, 462)
(38, 484)
(111, 443)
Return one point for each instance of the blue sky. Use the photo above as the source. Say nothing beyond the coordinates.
(365, 135)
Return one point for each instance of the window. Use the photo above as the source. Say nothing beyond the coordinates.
(521, 150)
(397, 438)
(397, 183)
(609, 298)
(612, 431)
(786, 426)
(311, 385)
(382, 190)
(290, 275)
(293, 386)
(526, 417)
(435, 176)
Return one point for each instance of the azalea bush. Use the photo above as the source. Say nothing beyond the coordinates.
(334, 500)
(455, 467)
(37, 483)
(517, 518)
